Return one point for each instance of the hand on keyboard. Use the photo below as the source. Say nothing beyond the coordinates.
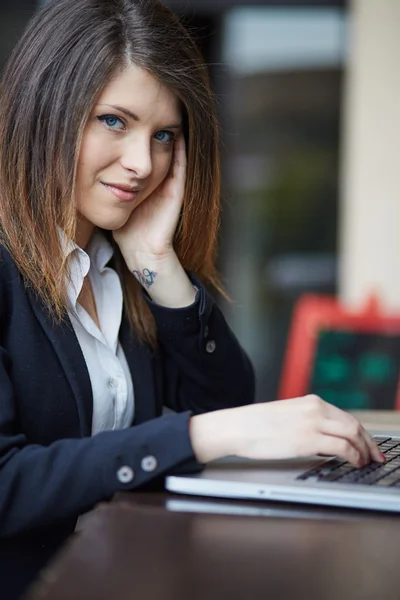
(300, 427)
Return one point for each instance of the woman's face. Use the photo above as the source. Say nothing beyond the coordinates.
(126, 150)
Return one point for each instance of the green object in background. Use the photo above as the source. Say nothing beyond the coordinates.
(341, 340)
(332, 369)
(377, 368)
(356, 370)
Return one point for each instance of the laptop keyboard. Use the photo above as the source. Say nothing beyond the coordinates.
(383, 474)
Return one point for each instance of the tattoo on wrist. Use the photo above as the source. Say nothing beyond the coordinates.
(145, 277)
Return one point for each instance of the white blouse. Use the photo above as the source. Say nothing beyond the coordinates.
(110, 377)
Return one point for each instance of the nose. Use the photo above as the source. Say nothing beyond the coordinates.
(136, 157)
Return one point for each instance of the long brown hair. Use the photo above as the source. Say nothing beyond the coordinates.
(68, 53)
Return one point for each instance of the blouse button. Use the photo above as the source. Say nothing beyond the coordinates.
(149, 464)
(210, 346)
(125, 474)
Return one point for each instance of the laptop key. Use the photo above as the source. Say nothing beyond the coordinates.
(381, 440)
(330, 476)
(385, 482)
(389, 479)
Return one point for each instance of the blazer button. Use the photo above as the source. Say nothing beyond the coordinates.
(125, 474)
(149, 464)
(210, 346)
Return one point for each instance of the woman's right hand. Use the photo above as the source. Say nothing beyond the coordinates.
(283, 429)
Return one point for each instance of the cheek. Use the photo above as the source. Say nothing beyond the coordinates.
(93, 157)
(162, 167)
(84, 162)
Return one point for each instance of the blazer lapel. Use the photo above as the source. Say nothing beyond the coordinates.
(68, 350)
(138, 357)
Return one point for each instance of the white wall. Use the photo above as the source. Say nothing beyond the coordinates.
(370, 178)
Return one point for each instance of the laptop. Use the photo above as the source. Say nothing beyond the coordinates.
(311, 480)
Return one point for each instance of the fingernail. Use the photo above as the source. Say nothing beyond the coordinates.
(383, 457)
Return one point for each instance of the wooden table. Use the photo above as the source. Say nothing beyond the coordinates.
(135, 547)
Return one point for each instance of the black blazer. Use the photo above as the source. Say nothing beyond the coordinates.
(51, 469)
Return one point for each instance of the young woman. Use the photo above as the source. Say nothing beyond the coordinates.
(109, 204)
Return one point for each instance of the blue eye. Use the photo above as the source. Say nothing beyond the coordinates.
(165, 137)
(112, 121)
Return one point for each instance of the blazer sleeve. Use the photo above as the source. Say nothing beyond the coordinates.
(40, 485)
(205, 367)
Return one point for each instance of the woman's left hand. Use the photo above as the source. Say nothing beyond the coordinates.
(146, 239)
(149, 231)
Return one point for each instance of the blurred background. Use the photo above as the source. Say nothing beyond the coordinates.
(308, 95)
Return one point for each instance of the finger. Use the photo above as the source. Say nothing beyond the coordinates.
(358, 433)
(179, 162)
(330, 445)
(174, 185)
(373, 448)
(351, 433)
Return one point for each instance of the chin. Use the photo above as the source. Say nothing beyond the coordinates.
(112, 224)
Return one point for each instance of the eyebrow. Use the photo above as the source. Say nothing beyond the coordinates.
(133, 116)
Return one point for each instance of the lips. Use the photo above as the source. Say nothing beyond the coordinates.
(123, 192)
